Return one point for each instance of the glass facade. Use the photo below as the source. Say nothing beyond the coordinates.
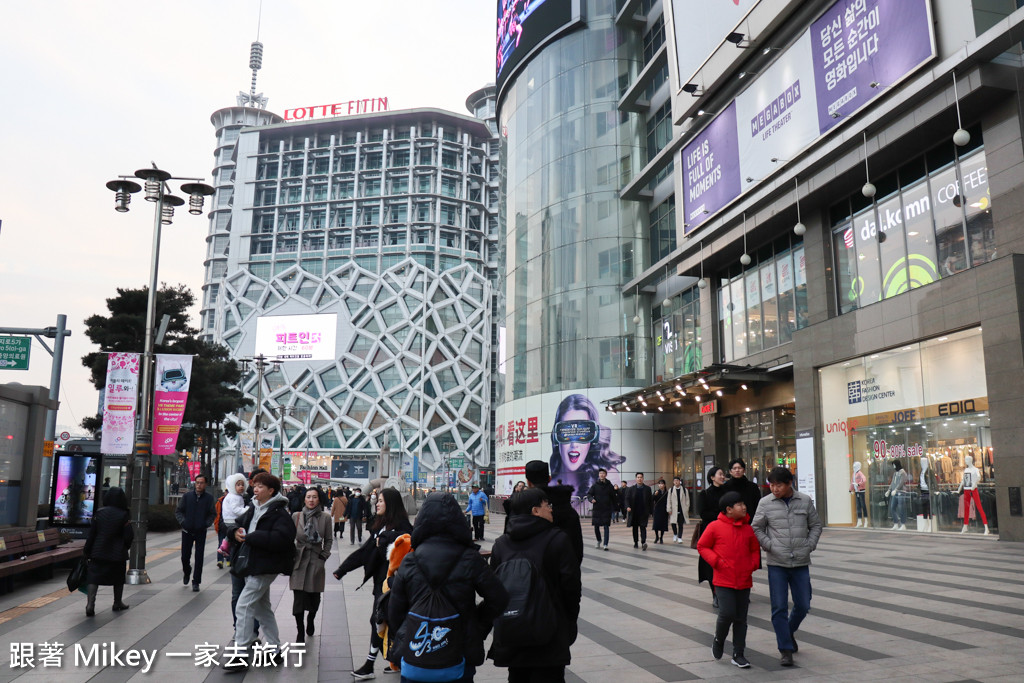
(931, 218)
(570, 243)
(765, 439)
(677, 337)
(924, 406)
(761, 305)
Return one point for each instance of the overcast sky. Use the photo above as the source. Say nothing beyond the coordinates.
(93, 90)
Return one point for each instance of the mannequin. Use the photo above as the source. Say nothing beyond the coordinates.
(969, 487)
(897, 497)
(926, 501)
(857, 488)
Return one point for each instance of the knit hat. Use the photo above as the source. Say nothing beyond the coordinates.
(728, 500)
(537, 473)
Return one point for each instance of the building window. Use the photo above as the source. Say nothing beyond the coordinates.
(654, 38)
(919, 229)
(663, 230)
(659, 130)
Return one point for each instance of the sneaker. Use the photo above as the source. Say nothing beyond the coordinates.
(644, 547)
(740, 661)
(365, 672)
(717, 648)
(675, 539)
(787, 657)
(389, 670)
(637, 546)
(606, 547)
(195, 587)
(598, 546)
(220, 565)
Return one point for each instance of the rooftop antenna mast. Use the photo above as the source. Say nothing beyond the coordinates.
(251, 98)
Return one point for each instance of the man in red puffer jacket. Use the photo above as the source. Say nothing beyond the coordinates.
(731, 548)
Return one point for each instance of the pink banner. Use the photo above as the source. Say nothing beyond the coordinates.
(193, 469)
(173, 373)
(120, 397)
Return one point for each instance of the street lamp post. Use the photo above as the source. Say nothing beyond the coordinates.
(156, 191)
(261, 363)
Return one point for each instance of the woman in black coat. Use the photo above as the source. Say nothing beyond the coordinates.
(442, 542)
(106, 548)
(390, 522)
(660, 499)
(707, 506)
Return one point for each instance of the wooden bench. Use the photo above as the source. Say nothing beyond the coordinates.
(32, 551)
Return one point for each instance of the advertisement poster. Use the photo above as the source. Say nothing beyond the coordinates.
(172, 380)
(350, 469)
(297, 337)
(701, 27)
(120, 398)
(848, 57)
(575, 435)
(74, 490)
(194, 467)
(246, 445)
(525, 24)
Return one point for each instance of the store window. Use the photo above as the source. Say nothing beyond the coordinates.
(924, 407)
(677, 338)
(930, 219)
(760, 307)
(765, 439)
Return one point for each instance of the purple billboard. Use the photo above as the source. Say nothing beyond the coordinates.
(857, 43)
(711, 169)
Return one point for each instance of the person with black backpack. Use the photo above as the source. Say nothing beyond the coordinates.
(536, 563)
(433, 593)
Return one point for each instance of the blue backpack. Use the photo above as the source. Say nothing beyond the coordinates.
(435, 638)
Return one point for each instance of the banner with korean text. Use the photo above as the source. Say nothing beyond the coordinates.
(849, 56)
(120, 399)
(246, 446)
(173, 377)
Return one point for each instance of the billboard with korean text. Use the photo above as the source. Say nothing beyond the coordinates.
(297, 337)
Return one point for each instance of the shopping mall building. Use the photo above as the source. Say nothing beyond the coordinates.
(382, 226)
(787, 231)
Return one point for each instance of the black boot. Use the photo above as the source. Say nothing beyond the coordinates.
(310, 628)
(119, 606)
(90, 600)
(301, 637)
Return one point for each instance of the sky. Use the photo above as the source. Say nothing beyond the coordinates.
(94, 90)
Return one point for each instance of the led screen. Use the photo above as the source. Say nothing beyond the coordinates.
(525, 24)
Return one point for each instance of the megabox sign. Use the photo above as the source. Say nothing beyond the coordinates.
(848, 57)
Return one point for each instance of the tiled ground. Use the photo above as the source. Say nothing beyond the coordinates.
(886, 606)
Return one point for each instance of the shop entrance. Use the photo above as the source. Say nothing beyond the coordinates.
(764, 439)
(688, 464)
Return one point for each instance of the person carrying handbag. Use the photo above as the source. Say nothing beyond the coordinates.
(106, 548)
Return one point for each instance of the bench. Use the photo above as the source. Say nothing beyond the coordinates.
(30, 551)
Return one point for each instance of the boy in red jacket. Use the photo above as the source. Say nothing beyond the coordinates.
(730, 547)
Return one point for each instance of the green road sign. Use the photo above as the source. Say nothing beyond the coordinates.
(14, 352)
(456, 463)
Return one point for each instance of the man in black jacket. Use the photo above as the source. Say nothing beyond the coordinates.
(748, 490)
(605, 500)
(639, 508)
(195, 513)
(532, 535)
(565, 517)
(444, 554)
(356, 512)
(265, 535)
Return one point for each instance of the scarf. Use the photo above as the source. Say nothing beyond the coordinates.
(309, 520)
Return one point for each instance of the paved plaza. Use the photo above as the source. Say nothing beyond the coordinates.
(887, 606)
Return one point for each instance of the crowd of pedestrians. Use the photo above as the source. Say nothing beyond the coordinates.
(437, 598)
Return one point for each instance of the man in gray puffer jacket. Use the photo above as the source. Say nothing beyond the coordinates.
(788, 528)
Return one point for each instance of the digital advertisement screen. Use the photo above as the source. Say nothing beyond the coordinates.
(297, 337)
(525, 24)
(74, 489)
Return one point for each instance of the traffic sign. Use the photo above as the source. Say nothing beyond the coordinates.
(456, 463)
(14, 352)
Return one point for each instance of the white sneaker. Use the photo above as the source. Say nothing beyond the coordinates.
(903, 527)
(895, 527)
(598, 546)
(606, 547)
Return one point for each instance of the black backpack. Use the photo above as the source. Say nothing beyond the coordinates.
(530, 619)
(434, 644)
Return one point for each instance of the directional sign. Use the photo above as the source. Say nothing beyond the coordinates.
(456, 463)
(14, 352)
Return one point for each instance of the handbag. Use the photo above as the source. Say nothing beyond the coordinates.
(77, 577)
(698, 528)
(240, 562)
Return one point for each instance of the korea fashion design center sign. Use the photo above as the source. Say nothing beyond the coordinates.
(849, 56)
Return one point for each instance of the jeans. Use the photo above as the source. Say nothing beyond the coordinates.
(782, 581)
(732, 611)
(254, 607)
(862, 506)
(237, 584)
(597, 532)
(187, 541)
(355, 528)
(898, 507)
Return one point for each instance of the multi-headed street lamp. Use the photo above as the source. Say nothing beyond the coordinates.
(156, 191)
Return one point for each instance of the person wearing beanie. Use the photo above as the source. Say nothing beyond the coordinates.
(731, 548)
(564, 515)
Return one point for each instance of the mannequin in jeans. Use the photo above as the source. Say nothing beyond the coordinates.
(857, 487)
(897, 495)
